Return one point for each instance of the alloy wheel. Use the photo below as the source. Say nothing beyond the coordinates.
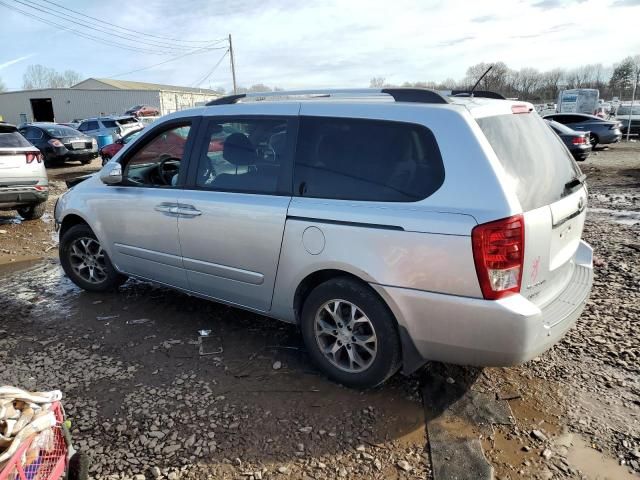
(87, 259)
(345, 335)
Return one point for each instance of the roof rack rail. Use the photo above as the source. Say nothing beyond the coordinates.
(477, 93)
(412, 95)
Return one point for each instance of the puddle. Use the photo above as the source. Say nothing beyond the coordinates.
(592, 463)
(623, 217)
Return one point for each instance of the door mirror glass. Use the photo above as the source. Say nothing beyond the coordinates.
(111, 174)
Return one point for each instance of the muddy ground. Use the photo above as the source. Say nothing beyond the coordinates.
(145, 403)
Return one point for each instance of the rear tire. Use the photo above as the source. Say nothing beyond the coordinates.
(346, 317)
(86, 263)
(32, 212)
(593, 139)
(87, 161)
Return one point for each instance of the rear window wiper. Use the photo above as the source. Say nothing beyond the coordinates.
(572, 185)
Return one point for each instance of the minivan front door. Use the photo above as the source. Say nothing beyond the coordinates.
(232, 218)
(140, 216)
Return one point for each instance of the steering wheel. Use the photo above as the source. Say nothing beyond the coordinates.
(166, 174)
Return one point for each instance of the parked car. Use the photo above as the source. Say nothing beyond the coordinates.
(23, 179)
(60, 144)
(391, 232)
(143, 111)
(117, 127)
(623, 116)
(108, 151)
(600, 131)
(577, 142)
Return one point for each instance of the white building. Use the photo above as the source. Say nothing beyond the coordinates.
(95, 97)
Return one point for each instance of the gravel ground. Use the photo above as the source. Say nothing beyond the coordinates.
(145, 404)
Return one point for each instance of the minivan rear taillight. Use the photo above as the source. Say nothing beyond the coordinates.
(498, 252)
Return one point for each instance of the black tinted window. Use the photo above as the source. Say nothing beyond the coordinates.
(33, 133)
(109, 123)
(91, 126)
(535, 159)
(371, 160)
(12, 139)
(244, 155)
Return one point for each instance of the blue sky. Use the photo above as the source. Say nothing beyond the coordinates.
(295, 44)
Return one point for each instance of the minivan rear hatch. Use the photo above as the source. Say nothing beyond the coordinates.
(550, 187)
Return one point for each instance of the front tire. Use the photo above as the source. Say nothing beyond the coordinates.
(32, 212)
(86, 263)
(350, 333)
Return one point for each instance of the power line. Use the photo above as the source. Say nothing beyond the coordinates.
(197, 84)
(129, 29)
(83, 24)
(82, 34)
(90, 37)
(158, 64)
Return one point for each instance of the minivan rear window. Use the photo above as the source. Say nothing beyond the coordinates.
(535, 159)
(369, 160)
(12, 140)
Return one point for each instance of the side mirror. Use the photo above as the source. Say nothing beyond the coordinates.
(111, 174)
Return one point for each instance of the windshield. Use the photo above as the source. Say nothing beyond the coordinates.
(560, 128)
(624, 110)
(61, 131)
(535, 159)
(136, 107)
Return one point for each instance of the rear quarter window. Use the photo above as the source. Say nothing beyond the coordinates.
(13, 140)
(109, 123)
(535, 159)
(369, 160)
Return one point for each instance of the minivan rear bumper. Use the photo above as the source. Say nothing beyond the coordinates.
(473, 331)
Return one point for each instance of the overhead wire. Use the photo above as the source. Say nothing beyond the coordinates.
(131, 30)
(83, 24)
(204, 79)
(82, 34)
(159, 63)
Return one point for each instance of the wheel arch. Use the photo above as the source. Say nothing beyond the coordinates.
(69, 221)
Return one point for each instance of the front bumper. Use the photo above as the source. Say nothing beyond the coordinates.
(21, 196)
(473, 331)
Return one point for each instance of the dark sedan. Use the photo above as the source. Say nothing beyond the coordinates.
(59, 143)
(577, 142)
(601, 131)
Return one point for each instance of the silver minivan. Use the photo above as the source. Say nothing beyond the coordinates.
(393, 226)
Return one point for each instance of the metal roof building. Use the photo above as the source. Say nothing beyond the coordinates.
(97, 96)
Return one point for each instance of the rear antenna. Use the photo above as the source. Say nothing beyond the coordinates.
(480, 79)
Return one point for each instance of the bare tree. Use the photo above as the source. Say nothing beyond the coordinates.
(39, 76)
(377, 82)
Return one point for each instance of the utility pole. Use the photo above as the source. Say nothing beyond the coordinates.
(233, 66)
(633, 96)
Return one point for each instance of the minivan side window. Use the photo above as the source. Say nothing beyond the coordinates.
(368, 160)
(244, 155)
(157, 163)
(91, 125)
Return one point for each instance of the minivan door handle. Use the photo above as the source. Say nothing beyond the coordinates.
(167, 207)
(187, 210)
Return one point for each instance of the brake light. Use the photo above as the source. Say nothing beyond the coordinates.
(578, 140)
(520, 109)
(41, 188)
(498, 252)
(33, 156)
(54, 142)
